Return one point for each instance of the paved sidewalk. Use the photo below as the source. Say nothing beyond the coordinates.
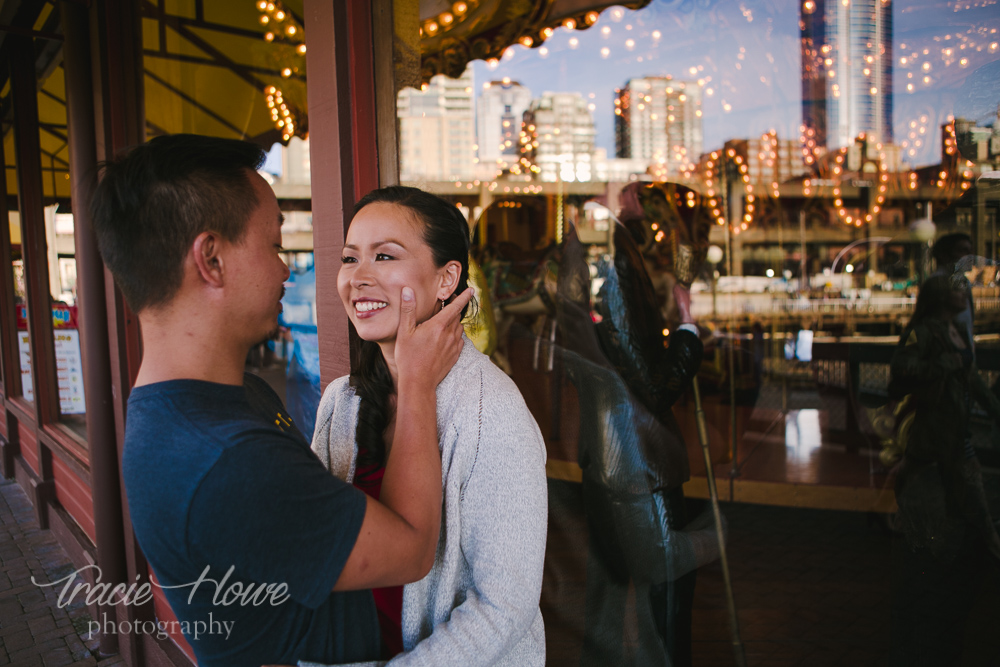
(33, 629)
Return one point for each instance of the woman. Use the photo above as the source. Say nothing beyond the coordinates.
(943, 517)
(479, 603)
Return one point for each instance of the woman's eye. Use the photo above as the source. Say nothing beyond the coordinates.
(382, 256)
(348, 260)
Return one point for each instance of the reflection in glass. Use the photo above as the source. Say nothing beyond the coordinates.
(827, 143)
(21, 308)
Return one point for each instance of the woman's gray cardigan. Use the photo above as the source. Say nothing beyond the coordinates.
(479, 603)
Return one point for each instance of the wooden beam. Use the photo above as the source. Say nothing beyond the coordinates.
(362, 96)
(24, 87)
(104, 474)
(387, 125)
(332, 166)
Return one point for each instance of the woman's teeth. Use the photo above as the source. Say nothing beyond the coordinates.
(367, 306)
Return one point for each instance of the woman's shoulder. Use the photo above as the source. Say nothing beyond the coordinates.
(339, 394)
(339, 388)
(475, 376)
(931, 331)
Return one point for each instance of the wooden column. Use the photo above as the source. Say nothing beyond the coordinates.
(10, 369)
(45, 408)
(119, 122)
(91, 288)
(24, 88)
(344, 161)
(384, 70)
(361, 62)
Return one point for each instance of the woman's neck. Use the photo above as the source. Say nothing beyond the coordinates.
(389, 354)
(942, 315)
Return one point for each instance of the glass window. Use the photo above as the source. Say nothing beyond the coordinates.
(59, 231)
(792, 164)
(21, 310)
(23, 384)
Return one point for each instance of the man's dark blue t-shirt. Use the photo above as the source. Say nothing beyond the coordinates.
(218, 478)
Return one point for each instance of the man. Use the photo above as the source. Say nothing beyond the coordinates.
(948, 251)
(254, 542)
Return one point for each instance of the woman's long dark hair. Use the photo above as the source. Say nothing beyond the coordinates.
(934, 295)
(447, 234)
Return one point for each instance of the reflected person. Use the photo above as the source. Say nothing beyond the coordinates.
(948, 251)
(634, 460)
(945, 531)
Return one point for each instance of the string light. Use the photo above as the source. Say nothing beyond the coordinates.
(448, 19)
(285, 28)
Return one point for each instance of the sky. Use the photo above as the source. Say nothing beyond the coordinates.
(748, 54)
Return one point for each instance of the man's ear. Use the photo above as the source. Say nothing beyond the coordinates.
(450, 273)
(206, 254)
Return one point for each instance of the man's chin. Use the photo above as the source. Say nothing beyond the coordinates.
(271, 336)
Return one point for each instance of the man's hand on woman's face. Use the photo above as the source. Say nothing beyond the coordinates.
(425, 352)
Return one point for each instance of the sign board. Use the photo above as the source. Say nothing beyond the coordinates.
(69, 370)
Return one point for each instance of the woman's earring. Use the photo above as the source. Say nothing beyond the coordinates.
(442, 302)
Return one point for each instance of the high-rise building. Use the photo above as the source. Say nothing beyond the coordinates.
(772, 161)
(659, 119)
(499, 114)
(558, 137)
(846, 73)
(437, 130)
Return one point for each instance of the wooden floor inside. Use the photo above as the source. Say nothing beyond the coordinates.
(795, 447)
(794, 457)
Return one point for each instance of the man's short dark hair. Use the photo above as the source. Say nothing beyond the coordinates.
(155, 200)
(946, 247)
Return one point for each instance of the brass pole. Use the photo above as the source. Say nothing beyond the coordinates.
(734, 622)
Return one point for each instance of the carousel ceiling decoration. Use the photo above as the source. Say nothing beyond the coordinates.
(285, 27)
(451, 34)
(432, 37)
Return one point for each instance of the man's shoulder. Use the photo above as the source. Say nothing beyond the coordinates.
(190, 408)
(177, 431)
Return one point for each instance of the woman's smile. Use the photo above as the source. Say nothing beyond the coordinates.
(364, 308)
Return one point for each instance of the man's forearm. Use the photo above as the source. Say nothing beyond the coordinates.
(411, 486)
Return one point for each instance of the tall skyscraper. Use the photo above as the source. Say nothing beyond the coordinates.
(499, 114)
(558, 137)
(437, 130)
(659, 119)
(846, 73)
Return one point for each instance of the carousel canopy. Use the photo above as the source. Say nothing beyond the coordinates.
(238, 68)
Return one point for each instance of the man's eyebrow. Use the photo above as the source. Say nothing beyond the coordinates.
(281, 218)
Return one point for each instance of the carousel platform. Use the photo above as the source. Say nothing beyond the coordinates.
(802, 439)
(791, 457)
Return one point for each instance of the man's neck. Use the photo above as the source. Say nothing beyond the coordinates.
(189, 350)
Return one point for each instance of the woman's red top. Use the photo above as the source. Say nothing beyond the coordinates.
(389, 600)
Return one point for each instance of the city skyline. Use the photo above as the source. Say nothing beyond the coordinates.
(500, 109)
(748, 57)
(659, 119)
(437, 129)
(847, 70)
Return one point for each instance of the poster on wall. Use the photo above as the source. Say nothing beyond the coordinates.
(69, 362)
(27, 390)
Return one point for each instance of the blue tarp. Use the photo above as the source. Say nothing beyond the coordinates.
(299, 316)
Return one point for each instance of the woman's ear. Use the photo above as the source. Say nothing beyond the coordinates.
(449, 273)
(206, 254)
